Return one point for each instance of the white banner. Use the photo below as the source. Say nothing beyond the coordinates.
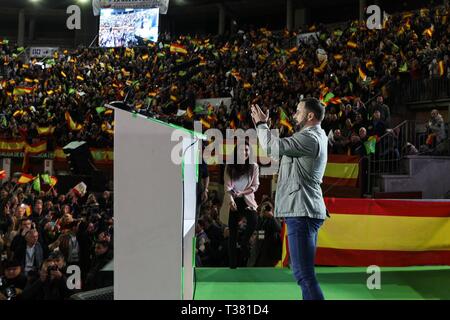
(163, 5)
(42, 52)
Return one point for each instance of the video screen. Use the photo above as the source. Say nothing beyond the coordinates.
(128, 27)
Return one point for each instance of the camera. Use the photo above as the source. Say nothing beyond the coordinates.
(8, 291)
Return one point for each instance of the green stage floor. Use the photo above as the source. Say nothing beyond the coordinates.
(338, 283)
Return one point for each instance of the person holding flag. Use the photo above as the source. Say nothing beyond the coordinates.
(299, 197)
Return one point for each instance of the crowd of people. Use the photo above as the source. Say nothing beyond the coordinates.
(344, 66)
(45, 235)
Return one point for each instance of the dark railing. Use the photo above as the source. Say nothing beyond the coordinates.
(425, 89)
(407, 138)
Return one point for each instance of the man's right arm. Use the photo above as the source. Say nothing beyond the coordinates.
(298, 145)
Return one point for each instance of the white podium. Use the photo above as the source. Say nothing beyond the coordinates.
(154, 209)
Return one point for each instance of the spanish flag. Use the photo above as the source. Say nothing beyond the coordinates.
(18, 113)
(352, 44)
(283, 78)
(429, 32)
(441, 68)
(125, 73)
(301, 64)
(233, 124)
(205, 123)
(28, 80)
(145, 57)
(19, 91)
(53, 181)
(338, 57)
(236, 75)
(247, 85)
(72, 124)
(362, 74)
(386, 233)
(341, 171)
(369, 64)
(189, 113)
(335, 100)
(178, 48)
(45, 131)
(25, 178)
(36, 148)
(284, 262)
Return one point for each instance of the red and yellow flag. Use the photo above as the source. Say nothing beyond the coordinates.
(441, 68)
(19, 91)
(341, 170)
(352, 44)
(178, 48)
(284, 262)
(36, 148)
(283, 78)
(362, 74)
(385, 233)
(25, 178)
(46, 131)
(72, 124)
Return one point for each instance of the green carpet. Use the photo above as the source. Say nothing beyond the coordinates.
(337, 283)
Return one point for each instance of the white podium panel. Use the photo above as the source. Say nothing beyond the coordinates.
(154, 209)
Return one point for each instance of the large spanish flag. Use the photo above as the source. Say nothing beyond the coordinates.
(363, 232)
(342, 170)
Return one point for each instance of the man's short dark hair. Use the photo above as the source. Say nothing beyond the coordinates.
(313, 105)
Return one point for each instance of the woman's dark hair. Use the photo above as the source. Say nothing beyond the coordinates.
(237, 170)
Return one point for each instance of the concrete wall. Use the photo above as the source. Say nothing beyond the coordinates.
(428, 174)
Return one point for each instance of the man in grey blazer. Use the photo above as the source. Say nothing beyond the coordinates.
(299, 196)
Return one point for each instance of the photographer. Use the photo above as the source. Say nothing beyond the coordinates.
(13, 281)
(51, 284)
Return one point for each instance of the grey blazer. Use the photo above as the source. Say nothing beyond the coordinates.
(302, 166)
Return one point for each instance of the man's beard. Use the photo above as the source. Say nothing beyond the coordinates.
(302, 123)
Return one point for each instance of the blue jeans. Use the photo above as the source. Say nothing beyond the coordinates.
(302, 239)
